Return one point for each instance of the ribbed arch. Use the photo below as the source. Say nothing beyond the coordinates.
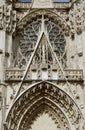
(44, 105)
(45, 92)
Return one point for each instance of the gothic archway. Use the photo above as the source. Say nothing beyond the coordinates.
(44, 97)
(44, 106)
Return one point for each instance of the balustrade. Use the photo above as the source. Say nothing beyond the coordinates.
(17, 75)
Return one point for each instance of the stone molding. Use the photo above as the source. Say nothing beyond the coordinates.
(43, 91)
(7, 18)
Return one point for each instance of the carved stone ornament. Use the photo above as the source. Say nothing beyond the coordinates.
(28, 40)
(7, 18)
(77, 16)
(44, 97)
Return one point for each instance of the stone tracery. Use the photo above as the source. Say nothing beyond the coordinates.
(27, 42)
(29, 39)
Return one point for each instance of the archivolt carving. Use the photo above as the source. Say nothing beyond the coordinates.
(45, 106)
(45, 91)
(52, 15)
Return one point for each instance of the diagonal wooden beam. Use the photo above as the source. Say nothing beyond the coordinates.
(61, 68)
(29, 62)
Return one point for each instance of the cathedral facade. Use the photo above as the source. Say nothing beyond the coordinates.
(42, 64)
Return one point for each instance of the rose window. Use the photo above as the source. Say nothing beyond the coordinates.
(29, 37)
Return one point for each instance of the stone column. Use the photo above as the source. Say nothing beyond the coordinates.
(68, 50)
(79, 51)
(72, 54)
(2, 75)
(2, 54)
(83, 40)
(9, 49)
(76, 55)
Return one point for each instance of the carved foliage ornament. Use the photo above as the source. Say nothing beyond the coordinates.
(7, 18)
(49, 95)
(47, 107)
(77, 16)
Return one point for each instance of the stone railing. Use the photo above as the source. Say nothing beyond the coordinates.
(70, 75)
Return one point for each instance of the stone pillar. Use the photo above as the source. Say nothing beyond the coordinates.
(76, 55)
(7, 26)
(79, 52)
(68, 50)
(83, 40)
(2, 55)
(71, 48)
(79, 97)
(2, 49)
(0, 106)
(9, 49)
(2, 75)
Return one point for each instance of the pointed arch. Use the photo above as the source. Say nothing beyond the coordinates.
(45, 92)
(45, 105)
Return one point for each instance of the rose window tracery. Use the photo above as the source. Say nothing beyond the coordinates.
(29, 37)
(58, 42)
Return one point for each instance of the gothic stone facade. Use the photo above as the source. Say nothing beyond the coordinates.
(42, 64)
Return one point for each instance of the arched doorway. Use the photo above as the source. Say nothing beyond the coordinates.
(44, 98)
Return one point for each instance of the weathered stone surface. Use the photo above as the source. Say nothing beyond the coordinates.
(42, 64)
